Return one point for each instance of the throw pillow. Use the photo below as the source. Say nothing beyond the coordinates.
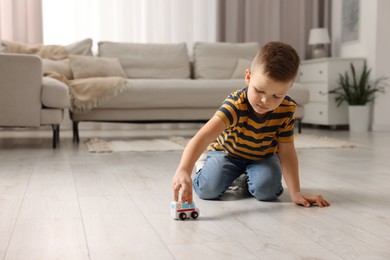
(218, 60)
(83, 47)
(62, 67)
(87, 67)
(242, 66)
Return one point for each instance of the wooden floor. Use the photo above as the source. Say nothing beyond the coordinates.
(72, 204)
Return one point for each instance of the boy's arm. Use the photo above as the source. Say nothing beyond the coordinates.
(182, 180)
(289, 162)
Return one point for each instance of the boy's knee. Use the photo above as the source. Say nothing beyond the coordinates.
(205, 190)
(265, 196)
(207, 196)
(265, 193)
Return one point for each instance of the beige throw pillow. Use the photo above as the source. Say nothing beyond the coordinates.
(62, 67)
(83, 47)
(218, 60)
(242, 66)
(89, 66)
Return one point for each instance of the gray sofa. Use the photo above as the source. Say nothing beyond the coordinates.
(162, 83)
(27, 99)
(164, 86)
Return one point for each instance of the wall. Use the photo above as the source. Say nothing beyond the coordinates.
(372, 44)
(381, 65)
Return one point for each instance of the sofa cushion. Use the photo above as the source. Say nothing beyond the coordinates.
(174, 93)
(219, 60)
(182, 94)
(55, 94)
(87, 67)
(151, 61)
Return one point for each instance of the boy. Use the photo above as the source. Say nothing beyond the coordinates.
(251, 133)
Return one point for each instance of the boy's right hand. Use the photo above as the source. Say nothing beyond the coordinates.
(182, 185)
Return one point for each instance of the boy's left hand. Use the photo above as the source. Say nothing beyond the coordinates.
(306, 201)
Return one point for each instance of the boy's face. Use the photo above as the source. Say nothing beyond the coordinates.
(264, 93)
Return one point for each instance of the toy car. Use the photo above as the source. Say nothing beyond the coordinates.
(184, 210)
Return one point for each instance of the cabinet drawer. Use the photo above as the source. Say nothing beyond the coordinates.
(316, 113)
(318, 92)
(313, 72)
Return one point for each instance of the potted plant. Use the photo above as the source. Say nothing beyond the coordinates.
(358, 92)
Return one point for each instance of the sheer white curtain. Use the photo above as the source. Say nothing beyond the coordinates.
(21, 20)
(159, 21)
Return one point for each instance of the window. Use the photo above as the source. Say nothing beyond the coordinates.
(158, 21)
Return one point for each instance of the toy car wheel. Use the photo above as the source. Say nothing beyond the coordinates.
(194, 215)
(182, 216)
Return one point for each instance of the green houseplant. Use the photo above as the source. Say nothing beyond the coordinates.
(358, 92)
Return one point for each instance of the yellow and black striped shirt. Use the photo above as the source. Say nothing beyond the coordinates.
(248, 136)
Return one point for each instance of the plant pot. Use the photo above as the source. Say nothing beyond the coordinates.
(359, 118)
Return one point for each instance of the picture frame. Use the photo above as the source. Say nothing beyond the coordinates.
(350, 21)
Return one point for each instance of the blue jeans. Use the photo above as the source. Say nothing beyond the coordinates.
(220, 170)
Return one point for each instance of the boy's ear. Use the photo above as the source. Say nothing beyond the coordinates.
(247, 76)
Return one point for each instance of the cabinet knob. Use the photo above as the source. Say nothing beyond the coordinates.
(320, 71)
(322, 93)
(320, 113)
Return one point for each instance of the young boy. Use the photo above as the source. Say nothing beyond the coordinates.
(252, 133)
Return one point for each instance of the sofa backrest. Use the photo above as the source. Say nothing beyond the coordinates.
(149, 60)
(219, 60)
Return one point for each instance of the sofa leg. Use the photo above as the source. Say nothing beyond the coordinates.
(56, 135)
(299, 125)
(76, 138)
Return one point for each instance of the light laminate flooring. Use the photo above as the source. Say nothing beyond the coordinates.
(71, 204)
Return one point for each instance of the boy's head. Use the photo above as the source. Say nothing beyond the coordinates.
(272, 74)
(278, 60)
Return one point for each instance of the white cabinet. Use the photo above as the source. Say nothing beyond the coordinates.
(320, 76)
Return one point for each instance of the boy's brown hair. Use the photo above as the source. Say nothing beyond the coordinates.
(279, 61)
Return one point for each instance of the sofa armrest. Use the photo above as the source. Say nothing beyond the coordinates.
(20, 90)
(55, 94)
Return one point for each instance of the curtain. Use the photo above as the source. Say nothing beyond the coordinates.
(152, 21)
(21, 20)
(272, 20)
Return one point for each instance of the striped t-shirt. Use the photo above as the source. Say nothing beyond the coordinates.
(248, 136)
